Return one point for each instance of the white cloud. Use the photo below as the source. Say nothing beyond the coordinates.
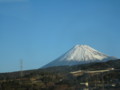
(14, 0)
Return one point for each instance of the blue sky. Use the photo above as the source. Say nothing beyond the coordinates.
(39, 31)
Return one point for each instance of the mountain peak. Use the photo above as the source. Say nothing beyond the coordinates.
(83, 47)
(84, 53)
(80, 54)
(77, 46)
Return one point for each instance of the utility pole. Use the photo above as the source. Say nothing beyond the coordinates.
(21, 68)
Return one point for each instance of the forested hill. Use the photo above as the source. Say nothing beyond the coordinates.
(63, 69)
(60, 78)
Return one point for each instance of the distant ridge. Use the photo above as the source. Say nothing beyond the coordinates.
(80, 54)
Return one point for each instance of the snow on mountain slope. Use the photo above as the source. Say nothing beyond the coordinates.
(80, 54)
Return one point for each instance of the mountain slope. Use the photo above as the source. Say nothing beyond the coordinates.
(80, 54)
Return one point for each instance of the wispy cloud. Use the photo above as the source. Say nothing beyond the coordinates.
(14, 0)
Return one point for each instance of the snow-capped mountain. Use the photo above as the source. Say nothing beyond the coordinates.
(80, 54)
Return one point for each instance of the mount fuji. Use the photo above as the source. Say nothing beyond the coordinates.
(80, 54)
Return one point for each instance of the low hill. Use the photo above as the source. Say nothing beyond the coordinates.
(60, 78)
